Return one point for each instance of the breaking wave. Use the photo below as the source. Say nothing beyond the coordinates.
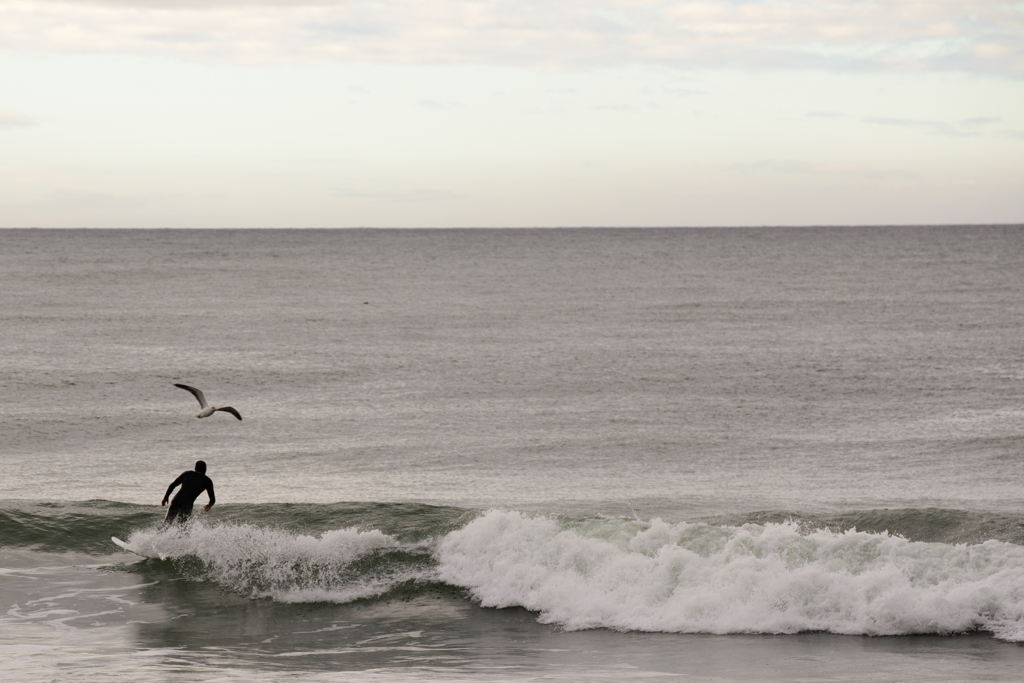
(766, 574)
(700, 578)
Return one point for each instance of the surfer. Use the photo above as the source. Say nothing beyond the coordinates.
(192, 484)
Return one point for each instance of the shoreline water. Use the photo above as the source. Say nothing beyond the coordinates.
(195, 632)
(946, 573)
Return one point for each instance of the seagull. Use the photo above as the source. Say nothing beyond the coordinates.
(207, 410)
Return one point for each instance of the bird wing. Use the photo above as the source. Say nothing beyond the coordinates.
(231, 410)
(195, 392)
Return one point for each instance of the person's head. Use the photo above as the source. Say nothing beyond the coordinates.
(200, 467)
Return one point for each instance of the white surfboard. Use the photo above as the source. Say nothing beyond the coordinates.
(132, 549)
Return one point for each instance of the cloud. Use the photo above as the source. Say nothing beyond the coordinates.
(64, 198)
(955, 130)
(981, 121)
(984, 36)
(798, 167)
(393, 195)
(434, 104)
(9, 119)
(964, 128)
(774, 166)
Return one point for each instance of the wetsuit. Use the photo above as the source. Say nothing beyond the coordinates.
(192, 484)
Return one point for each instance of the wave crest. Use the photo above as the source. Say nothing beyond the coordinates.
(700, 578)
(336, 566)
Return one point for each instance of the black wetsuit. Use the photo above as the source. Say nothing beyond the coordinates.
(192, 484)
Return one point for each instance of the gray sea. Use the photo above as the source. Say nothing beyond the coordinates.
(515, 455)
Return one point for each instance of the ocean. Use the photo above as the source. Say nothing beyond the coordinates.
(775, 454)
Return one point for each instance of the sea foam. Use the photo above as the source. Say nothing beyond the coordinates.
(336, 566)
(700, 578)
(631, 575)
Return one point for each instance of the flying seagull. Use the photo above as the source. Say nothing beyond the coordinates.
(207, 410)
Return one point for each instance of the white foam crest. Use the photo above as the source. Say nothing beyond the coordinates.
(273, 563)
(699, 578)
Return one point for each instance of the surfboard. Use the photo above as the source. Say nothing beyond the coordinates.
(132, 549)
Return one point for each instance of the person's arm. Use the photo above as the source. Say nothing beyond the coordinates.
(174, 485)
(209, 489)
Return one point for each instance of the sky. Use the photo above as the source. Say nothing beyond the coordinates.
(494, 113)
